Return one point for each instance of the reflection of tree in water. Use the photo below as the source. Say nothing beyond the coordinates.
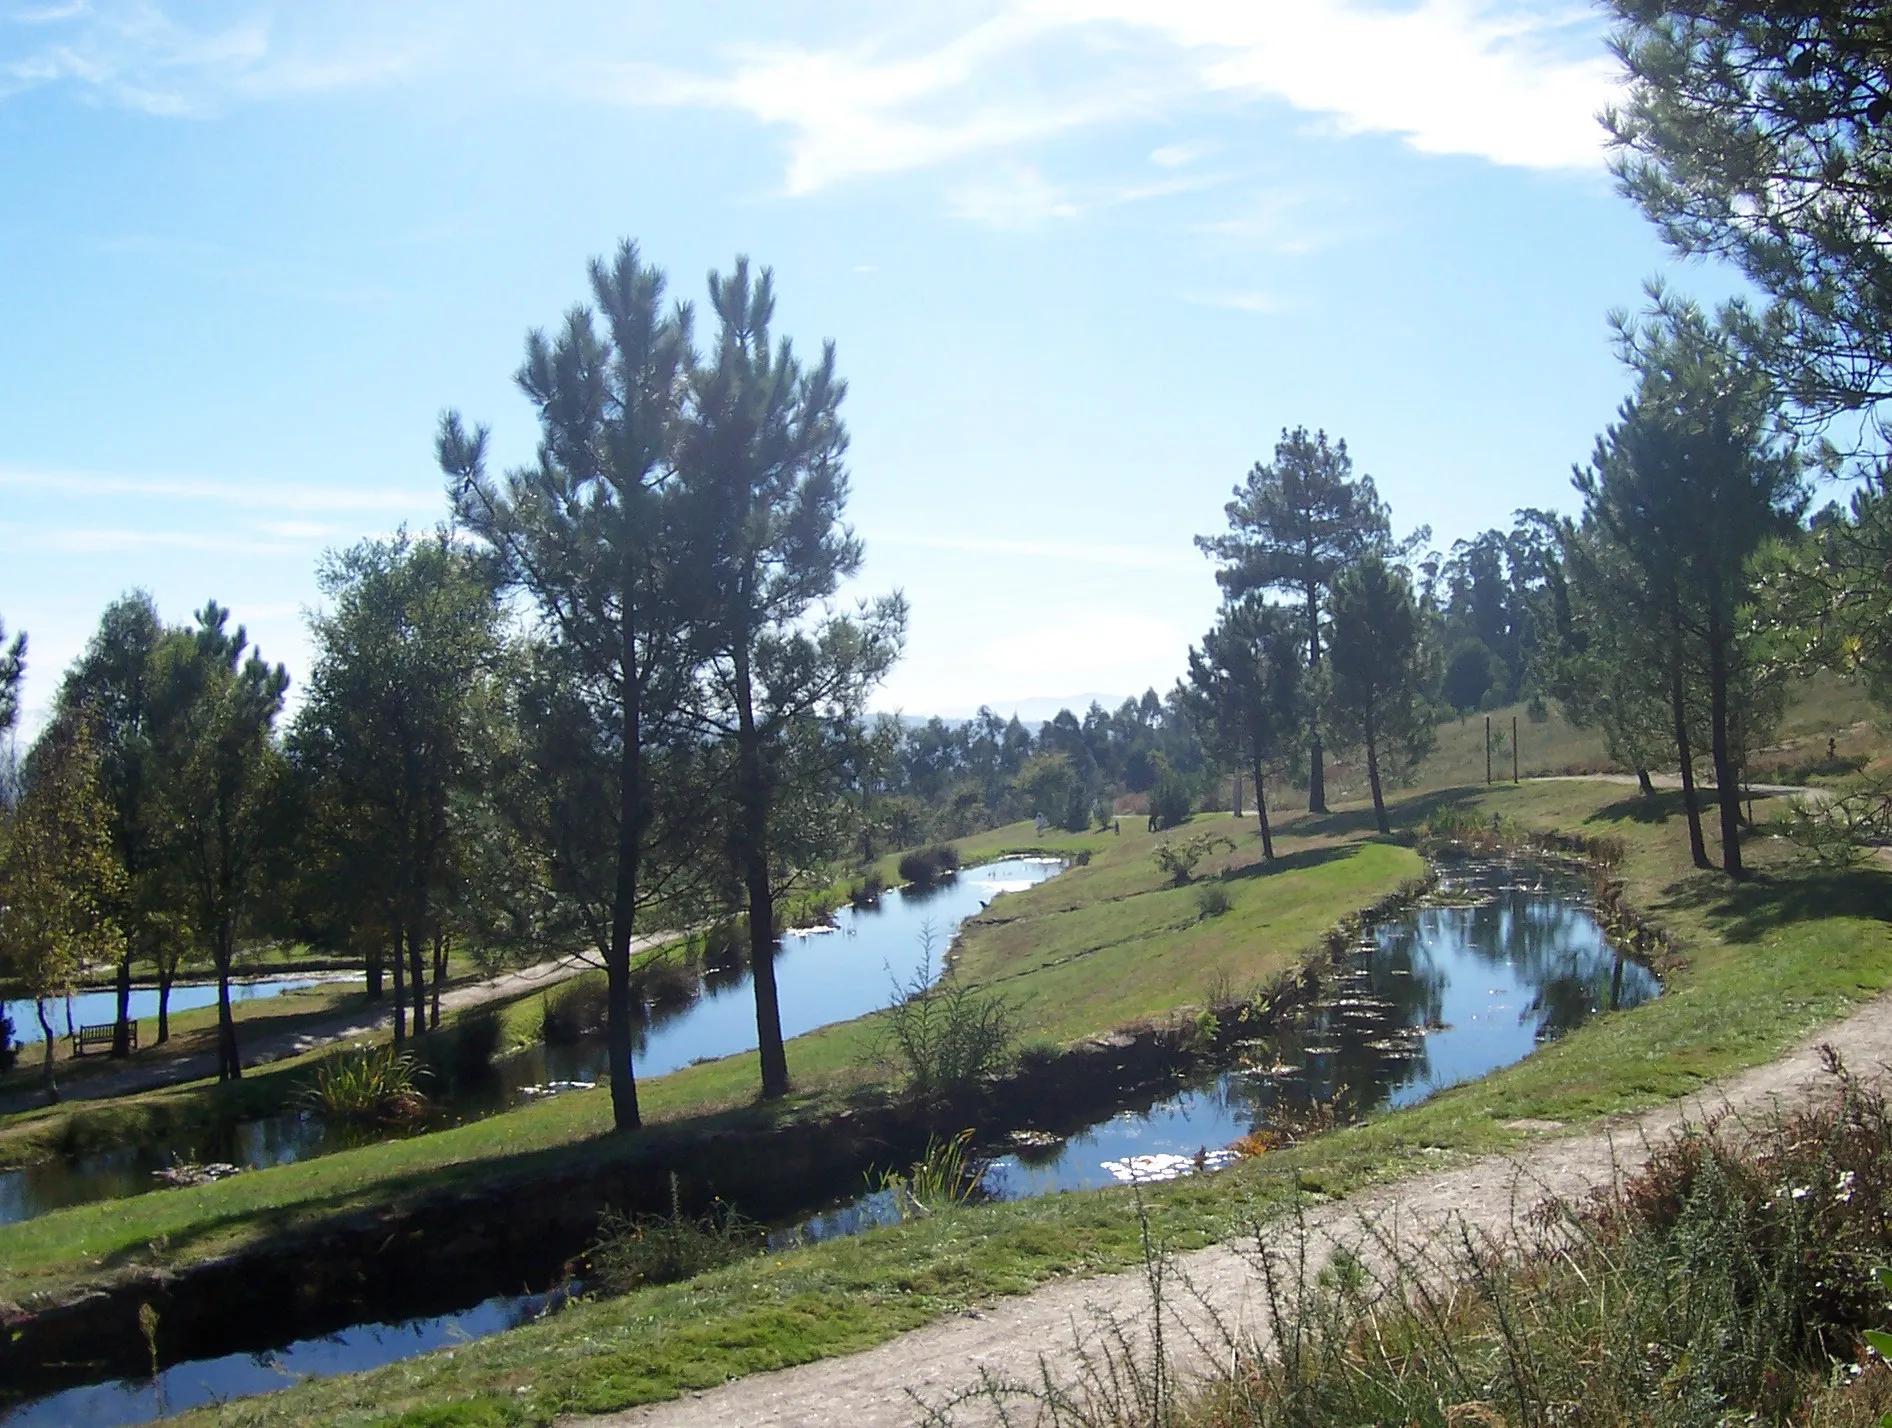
(1533, 923)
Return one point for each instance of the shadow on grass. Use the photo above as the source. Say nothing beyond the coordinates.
(1404, 813)
(1771, 899)
(1295, 862)
(1658, 807)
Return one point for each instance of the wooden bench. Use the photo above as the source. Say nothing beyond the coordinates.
(89, 1037)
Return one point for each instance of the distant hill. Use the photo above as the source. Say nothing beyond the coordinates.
(1031, 712)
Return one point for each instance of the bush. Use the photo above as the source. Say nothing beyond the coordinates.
(1212, 900)
(945, 1035)
(925, 866)
(575, 1011)
(635, 1250)
(866, 893)
(9, 1048)
(462, 1054)
(374, 1084)
(1179, 856)
(1172, 801)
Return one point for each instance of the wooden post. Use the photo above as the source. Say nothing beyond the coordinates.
(1487, 748)
(1514, 750)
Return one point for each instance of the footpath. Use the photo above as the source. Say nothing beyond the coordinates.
(1048, 1334)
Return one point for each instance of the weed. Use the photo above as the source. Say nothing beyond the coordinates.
(925, 866)
(636, 1250)
(1212, 900)
(366, 1083)
(945, 1176)
(945, 1035)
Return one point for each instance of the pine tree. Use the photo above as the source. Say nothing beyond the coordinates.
(1293, 527)
(1378, 679)
(1248, 678)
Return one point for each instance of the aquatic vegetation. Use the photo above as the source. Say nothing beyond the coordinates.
(366, 1083)
(946, 1175)
(635, 1250)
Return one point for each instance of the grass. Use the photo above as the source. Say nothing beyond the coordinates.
(1104, 945)
(1766, 962)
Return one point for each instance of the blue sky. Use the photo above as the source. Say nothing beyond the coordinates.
(1083, 260)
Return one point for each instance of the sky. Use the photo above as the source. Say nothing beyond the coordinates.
(1082, 259)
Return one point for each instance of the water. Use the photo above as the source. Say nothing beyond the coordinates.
(1505, 959)
(823, 976)
(101, 1007)
(1502, 959)
(354, 1350)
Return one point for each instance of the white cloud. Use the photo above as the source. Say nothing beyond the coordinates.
(250, 496)
(1014, 201)
(1513, 82)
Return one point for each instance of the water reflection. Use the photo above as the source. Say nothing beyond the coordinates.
(834, 974)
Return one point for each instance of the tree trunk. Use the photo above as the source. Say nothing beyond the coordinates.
(1373, 779)
(441, 948)
(121, 1023)
(377, 974)
(229, 1062)
(167, 974)
(1261, 813)
(617, 961)
(1678, 707)
(47, 1079)
(400, 988)
(1316, 762)
(1727, 784)
(1643, 781)
(755, 876)
(417, 974)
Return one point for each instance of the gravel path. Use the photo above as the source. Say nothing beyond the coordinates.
(1015, 1339)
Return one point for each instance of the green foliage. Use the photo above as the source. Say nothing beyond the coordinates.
(1212, 900)
(925, 866)
(374, 1084)
(1179, 857)
(12, 672)
(1172, 799)
(633, 1251)
(1379, 678)
(1844, 827)
(946, 1036)
(946, 1176)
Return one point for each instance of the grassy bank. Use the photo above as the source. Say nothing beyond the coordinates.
(1765, 963)
(1106, 944)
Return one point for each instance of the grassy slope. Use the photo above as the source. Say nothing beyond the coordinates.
(1104, 945)
(1766, 963)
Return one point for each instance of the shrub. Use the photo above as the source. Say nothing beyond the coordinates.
(867, 891)
(945, 1035)
(635, 1250)
(9, 1048)
(575, 1011)
(374, 1084)
(1172, 801)
(925, 866)
(1212, 900)
(1179, 856)
(462, 1054)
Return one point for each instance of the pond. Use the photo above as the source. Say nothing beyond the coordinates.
(96, 1008)
(824, 975)
(1501, 958)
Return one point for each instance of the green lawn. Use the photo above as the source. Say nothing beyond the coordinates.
(1103, 945)
(1764, 963)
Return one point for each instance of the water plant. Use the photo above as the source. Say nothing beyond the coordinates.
(946, 1175)
(636, 1250)
(925, 866)
(366, 1083)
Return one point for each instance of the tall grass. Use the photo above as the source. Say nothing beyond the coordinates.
(946, 1175)
(375, 1084)
(636, 1250)
(1730, 1280)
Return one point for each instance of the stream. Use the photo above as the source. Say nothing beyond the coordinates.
(825, 975)
(1499, 959)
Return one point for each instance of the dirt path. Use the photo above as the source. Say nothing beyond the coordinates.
(1012, 1338)
(261, 1050)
